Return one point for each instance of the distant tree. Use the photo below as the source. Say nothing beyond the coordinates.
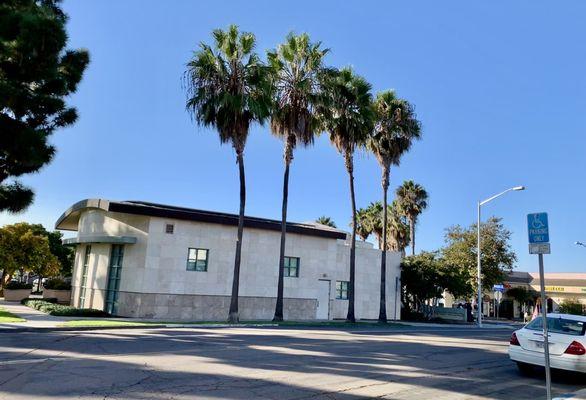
(65, 254)
(422, 278)
(426, 276)
(364, 223)
(396, 126)
(497, 256)
(229, 89)
(327, 221)
(398, 237)
(295, 68)
(41, 262)
(347, 116)
(37, 74)
(412, 200)
(522, 295)
(24, 248)
(369, 221)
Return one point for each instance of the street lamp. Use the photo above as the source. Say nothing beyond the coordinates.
(580, 244)
(481, 203)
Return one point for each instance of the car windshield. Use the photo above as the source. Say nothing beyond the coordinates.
(558, 325)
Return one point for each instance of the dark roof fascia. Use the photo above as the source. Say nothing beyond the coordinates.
(161, 211)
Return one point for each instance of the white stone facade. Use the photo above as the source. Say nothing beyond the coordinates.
(156, 283)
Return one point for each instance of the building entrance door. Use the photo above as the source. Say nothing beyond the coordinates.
(323, 300)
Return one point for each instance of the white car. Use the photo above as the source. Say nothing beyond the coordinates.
(567, 343)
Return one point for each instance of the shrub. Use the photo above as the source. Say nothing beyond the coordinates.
(63, 311)
(14, 285)
(57, 284)
(572, 306)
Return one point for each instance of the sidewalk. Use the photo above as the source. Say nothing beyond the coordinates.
(485, 325)
(33, 318)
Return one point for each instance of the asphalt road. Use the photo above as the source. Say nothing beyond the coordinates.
(266, 363)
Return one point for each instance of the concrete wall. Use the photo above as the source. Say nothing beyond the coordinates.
(155, 282)
(100, 222)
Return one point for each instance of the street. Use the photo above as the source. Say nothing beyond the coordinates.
(239, 363)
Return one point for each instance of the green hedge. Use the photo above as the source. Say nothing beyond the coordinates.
(63, 311)
(14, 285)
(57, 284)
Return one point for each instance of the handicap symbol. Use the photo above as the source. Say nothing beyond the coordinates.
(537, 223)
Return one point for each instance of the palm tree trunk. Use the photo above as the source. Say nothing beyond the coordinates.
(233, 313)
(382, 314)
(288, 156)
(350, 317)
(412, 234)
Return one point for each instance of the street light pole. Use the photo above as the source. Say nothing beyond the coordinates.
(479, 277)
(479, 269)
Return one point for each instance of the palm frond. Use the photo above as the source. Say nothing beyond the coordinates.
(395, 129)
(228, 86)
(295, 67)
(346, 109)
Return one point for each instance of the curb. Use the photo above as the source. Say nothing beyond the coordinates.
(114, 327)
(78, 328)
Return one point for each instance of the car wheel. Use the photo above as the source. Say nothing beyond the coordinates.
(524, 368)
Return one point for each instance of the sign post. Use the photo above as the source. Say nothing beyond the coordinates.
(498, 295)
(538, 229)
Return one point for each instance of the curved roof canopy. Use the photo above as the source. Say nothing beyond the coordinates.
(69, 219)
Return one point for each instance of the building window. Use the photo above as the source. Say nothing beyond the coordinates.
(291, 267)
(84, 271)
(197, 259)
(342, 290)
(114, 275)
(169, 228)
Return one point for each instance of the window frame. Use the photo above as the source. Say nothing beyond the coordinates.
(113, 279)
(196, 260)
(169, 229)
(340, 290)
(84, 274)
(287, 267)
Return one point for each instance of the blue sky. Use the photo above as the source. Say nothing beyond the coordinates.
(500, 88)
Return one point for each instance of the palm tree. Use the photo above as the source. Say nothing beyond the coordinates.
(228, 89)
(327, 221)
(412, 200)
(348, 117)
(395, 129)
(295, 69)
(363, 223)
(398, 229)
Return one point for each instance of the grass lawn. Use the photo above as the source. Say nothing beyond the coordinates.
(103, 323)
(285, 324)
(5, 316)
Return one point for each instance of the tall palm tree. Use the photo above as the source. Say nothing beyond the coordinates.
(412, 200)
(327, 221)
(295, 69)
(228, 89)
(395, 128)
(348, 118)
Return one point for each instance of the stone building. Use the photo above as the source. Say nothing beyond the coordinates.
(139, 259)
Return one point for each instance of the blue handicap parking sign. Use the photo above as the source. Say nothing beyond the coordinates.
(538, 228)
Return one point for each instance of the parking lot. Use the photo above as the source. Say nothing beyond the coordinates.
(238, 363)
